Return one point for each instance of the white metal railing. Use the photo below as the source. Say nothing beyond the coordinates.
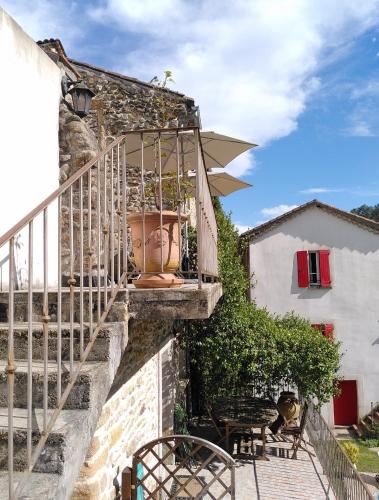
(90, 258)
(341, 473)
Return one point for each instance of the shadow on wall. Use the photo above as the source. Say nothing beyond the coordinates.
(145, 341)
(304, 293)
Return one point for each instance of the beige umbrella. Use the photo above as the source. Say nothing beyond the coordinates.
(221, 184)
(218, 150)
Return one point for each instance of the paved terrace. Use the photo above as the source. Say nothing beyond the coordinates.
(280, 478)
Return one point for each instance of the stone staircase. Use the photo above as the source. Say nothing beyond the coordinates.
(365, 425)
(55, 472)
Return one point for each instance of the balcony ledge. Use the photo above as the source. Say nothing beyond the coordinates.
(186, 302)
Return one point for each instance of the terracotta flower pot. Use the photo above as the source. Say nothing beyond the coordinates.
(288, 405)
(153, 245)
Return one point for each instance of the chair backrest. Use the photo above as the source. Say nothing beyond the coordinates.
(303, 418)
(213, 419)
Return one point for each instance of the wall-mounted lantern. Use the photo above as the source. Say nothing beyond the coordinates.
(80, 93)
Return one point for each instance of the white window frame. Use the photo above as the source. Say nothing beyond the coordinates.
(318, 276)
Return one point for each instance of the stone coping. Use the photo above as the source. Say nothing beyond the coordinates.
(186, 302)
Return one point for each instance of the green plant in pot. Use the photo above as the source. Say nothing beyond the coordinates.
(156, 246)
(156, 234)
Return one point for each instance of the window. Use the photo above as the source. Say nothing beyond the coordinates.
(326, 329)
(313, 269)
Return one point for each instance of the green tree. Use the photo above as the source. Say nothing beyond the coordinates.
(370, 212)
(241, 346)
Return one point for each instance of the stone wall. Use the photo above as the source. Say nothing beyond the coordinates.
(77, 146)
(122, 104)
(139, 408)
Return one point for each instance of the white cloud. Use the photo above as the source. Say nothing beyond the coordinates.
(252, 66)
(42, 19)
(367, 89)
(317, 190)
(241, 228)
(277, 210)
(360, 129)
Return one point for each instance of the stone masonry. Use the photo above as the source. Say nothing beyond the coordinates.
(130, 417)
(121, 104)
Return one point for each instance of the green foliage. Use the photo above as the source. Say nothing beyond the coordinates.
(369, 443)
(375, 429)
(172, 192)
(370, 212)
(241, 347)
(167, 110)
(162, 100)
(351, 450)
(368, 461)
(180, 420)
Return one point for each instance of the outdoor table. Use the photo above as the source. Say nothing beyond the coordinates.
(245, 412)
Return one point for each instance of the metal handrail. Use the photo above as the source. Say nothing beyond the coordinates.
(344, 479)
(92, 230)
(55, 194)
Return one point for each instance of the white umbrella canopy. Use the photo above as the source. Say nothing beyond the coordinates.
(218, 150)
(222, 184)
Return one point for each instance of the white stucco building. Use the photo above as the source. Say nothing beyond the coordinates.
(30, 92)
(323, 263)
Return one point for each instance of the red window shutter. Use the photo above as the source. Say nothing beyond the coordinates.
(325, 281)
(302, 269)
(328, 331)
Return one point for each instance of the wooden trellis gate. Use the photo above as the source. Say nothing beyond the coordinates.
(179, 467)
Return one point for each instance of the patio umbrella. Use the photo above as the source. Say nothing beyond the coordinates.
(222, 184)
(218, 150)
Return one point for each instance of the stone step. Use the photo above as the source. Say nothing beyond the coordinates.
(365, 427)
(108, 335)
(21, 305)
(357, 430)
(40, 486)
(370, 420)
(59, 445)
(79, 398)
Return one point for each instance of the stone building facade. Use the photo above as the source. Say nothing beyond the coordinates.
(141, 401)
(139, 408)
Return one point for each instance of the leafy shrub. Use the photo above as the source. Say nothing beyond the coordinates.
(369, 443)
(352, 451)
(375, 429)
(180, 420)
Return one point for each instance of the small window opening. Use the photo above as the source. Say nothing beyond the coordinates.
(314, 268)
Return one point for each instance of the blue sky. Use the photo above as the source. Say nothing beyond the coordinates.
(298, 77)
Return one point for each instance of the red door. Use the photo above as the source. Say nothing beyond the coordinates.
(346, 404)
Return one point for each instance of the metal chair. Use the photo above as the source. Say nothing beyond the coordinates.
(297, 432)
(216, 423)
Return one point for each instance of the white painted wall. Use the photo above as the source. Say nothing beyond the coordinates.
(29, 104)
(352, 304)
